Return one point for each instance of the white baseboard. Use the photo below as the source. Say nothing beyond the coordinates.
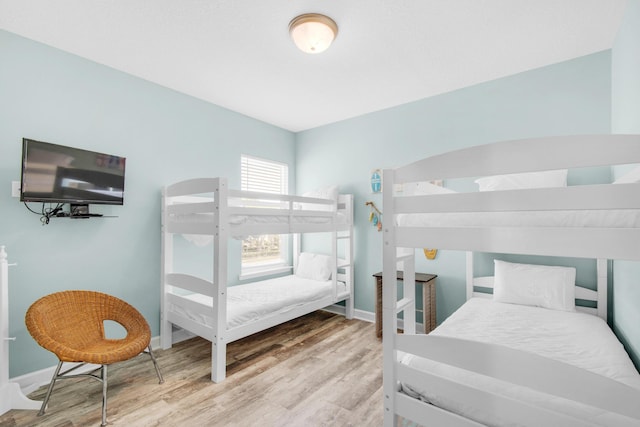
(179, 335)
(32, 381)
(366, 316)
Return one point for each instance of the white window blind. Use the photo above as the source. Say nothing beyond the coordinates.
(263, 175)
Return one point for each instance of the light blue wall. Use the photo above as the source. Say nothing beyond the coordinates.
(626, 119)
(567, 98)
(50, 95)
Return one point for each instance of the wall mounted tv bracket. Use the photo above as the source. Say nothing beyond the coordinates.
(80, 211)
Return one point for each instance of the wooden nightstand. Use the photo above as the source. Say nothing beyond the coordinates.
(428, 282)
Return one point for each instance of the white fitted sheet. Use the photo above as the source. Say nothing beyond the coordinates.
(580, 339)
(626, 218)
(252, 302)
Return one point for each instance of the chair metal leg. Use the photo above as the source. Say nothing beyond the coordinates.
(155, 364)
(103, 378)
(50, 389)
(104, 395)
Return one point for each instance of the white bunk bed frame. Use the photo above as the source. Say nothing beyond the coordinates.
(211, 218)
(599, 243)
(597, 297)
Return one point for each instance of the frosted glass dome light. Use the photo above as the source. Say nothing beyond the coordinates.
(312, 32)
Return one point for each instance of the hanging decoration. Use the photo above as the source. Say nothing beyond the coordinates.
(375, 215)
(376, 181)
(375, 218)
(430, 253)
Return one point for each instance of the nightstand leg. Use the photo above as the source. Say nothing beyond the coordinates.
(379, 307)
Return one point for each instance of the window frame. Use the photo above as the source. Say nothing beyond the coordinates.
(281, 265)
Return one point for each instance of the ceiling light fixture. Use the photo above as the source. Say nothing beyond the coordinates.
(313, 32)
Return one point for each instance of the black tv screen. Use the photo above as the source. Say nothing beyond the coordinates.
(60, 174)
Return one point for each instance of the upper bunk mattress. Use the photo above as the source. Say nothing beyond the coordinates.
(303, 213)
(575, 338)
(619, 218)
(236, 222)
(252, 302)
(296, 218)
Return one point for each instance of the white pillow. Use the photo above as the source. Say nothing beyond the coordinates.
(330, 193)
(423, 189)
(632, 176)
(517, 181)
(314, 266)
(536, 285)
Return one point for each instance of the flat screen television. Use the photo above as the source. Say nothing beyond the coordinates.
(60, 174)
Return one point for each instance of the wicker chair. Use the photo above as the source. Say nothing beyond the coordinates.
(70, 324)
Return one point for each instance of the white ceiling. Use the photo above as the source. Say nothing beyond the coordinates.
(237, 53)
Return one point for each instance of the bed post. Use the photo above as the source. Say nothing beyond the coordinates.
(296, 250)
(219, 343)
(389, 318)
(469, 275)
(166, 339)
(603, 288)
(334, 263)
(409, 292)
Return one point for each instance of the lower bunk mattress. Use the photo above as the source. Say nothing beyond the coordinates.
(252, 302)
(578, 339)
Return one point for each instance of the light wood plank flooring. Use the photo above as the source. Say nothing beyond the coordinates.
(318, 370)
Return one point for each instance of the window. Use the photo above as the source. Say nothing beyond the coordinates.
(264, 254)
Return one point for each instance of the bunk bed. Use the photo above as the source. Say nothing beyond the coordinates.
(204, 210)
(522, 354)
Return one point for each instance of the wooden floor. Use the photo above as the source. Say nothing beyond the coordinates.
(318, 370)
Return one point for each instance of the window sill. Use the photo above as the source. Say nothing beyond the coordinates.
(255, 272)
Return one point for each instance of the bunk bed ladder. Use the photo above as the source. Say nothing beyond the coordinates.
(347, 239)
(346, 264)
